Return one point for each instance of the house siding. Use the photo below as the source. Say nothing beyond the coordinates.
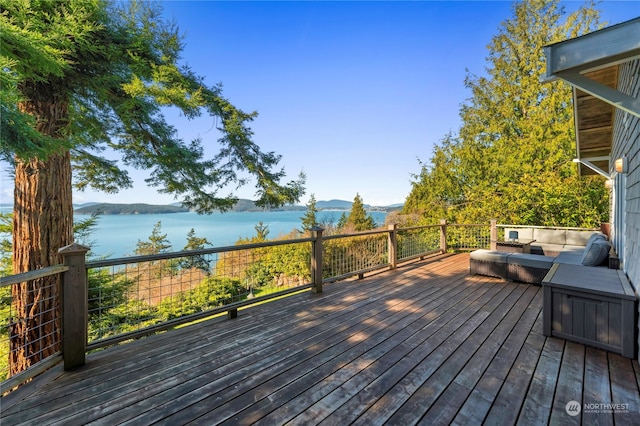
(626, 141)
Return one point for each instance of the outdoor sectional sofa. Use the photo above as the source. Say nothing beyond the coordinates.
(552, 242)
(549, 246)
(584, 300)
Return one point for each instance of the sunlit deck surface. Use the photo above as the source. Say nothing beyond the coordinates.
(426, 343)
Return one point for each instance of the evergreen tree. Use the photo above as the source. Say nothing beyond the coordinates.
(83, 229)
(262, 232)
(79, 76)
(195, 243)
(342, 221)
(358, 219)
(309, 220)
(156, 244)
(512, 157)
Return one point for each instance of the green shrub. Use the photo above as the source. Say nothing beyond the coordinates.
(210, 293)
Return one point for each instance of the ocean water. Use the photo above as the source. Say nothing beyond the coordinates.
(117, 235)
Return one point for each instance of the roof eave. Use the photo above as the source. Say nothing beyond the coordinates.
(603, 48)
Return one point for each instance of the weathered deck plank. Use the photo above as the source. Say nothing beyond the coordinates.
(424, 344)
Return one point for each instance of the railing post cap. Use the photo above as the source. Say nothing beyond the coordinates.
(73, 248)
(317, 228)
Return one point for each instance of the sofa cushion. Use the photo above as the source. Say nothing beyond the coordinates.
(573, 249)
(550, 236)
(596, 253)
(595, 236)
(570, 257)
(546, 249)
(580, 238)
(490, 256)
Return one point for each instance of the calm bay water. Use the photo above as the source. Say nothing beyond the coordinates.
(117, 235)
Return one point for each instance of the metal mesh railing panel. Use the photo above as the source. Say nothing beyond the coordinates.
(29, 323)
(125, 298)
(350, 255)
(468, 237)
(415, 242)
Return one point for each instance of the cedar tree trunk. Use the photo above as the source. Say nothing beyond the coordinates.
(42, 223)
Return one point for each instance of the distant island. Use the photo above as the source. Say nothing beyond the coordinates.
(141, 208)
(137, 208)
(242, 206)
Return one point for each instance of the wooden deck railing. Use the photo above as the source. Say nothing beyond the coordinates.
(329, 258)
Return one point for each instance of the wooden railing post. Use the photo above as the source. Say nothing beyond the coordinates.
(494, 234)
(393, 245)
(75, 296)
(443, 235)
(316, 258)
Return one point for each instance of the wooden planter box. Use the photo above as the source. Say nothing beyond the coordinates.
(591, 305)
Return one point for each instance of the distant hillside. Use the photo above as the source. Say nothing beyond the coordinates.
(346, 205)
(243, 205)
(139, 208)
(249, 206)
(334, 204)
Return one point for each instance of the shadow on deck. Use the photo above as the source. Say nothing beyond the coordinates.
(426, 343)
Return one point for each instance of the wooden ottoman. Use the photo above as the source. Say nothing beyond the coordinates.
(591, 305)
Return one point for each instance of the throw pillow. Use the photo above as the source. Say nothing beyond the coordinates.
(596, 253)
(595, 236)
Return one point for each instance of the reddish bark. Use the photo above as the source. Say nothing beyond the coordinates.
(42, 223)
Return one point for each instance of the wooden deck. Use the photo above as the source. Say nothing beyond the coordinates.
(424, 344)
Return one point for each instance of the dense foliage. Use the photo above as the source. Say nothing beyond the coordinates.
(511, 159)
(114, 67)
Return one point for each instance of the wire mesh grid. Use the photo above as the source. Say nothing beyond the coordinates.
(354, 254)
(29, 324)
(468, 237)
(130, 297)
(417, 241)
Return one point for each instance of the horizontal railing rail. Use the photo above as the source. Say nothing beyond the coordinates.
(32, 275)
(188, 253)
(108, 301)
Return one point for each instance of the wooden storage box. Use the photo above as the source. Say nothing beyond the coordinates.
(590, 305)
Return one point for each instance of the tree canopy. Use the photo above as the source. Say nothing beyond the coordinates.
(114, 67)
(511, 159)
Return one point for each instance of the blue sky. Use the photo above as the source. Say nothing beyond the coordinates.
(350, 93)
